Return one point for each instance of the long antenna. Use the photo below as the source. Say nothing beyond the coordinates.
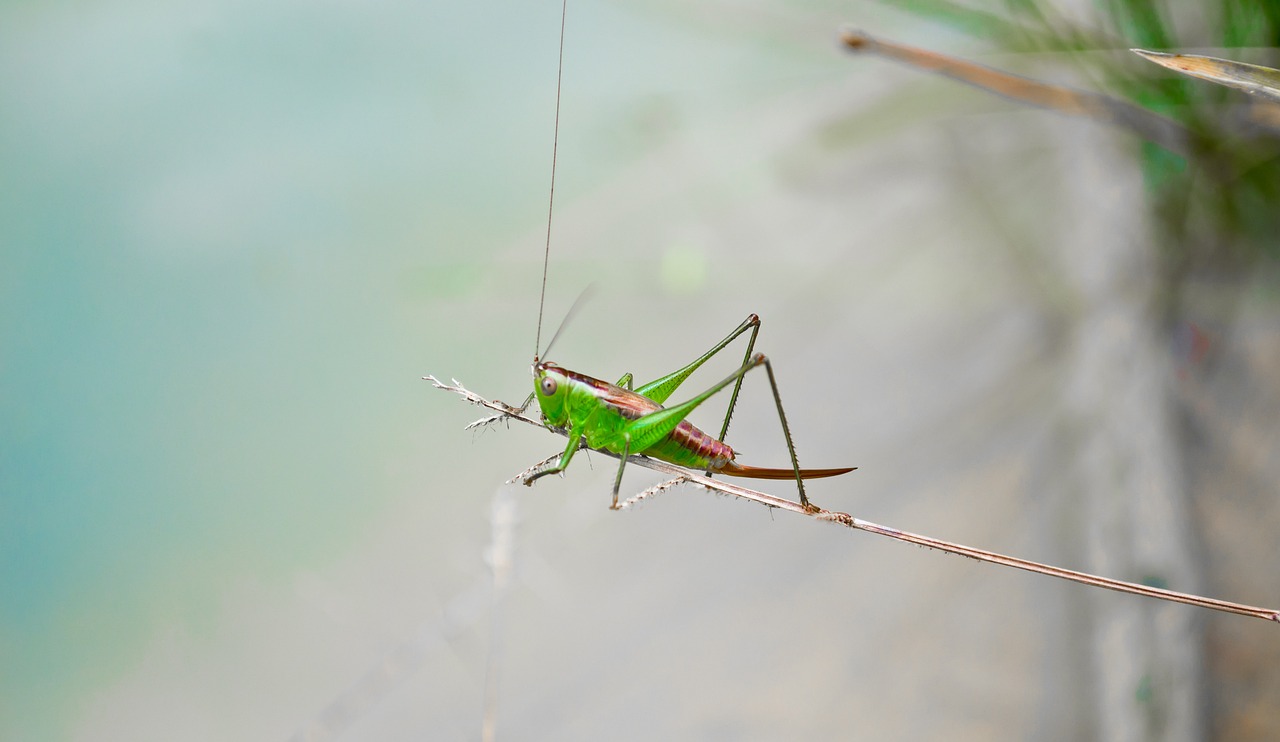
(577, 303)
(551, 202)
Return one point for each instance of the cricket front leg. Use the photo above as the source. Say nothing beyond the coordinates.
(527, 400)
(575, 441)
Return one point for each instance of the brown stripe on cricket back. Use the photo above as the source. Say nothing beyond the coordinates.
(625, 402)
(593, 383)
(588, 380)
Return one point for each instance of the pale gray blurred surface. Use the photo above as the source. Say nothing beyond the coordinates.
(954, 303)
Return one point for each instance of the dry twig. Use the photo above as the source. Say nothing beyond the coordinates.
(715, 485)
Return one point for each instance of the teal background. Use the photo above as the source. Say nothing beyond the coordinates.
(234, 236)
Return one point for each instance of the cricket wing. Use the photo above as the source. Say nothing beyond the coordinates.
(734, 469)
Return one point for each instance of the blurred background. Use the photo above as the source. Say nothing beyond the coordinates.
(236, 235)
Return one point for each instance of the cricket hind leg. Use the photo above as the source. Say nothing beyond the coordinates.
(799, 474)
(661, 389)
(786, 432)
(649, 429)
(754, 322)
(643, 432)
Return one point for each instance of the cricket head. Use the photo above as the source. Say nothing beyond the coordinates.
(551, 388)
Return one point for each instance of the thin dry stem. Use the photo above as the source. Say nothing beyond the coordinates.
(684, 476)
(654, 490)
(527, 472)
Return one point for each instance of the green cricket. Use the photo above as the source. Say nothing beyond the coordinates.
(625, 420)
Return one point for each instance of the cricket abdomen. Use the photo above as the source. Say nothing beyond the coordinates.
(690, 447)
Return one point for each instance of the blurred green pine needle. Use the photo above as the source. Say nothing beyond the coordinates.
(1215, 213)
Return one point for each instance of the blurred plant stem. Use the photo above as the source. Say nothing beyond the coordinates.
(1211, 185)
(1206, 227)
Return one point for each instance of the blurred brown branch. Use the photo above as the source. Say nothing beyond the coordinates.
(1148, 125)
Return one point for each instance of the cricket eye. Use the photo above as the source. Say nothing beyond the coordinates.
(548, 386)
